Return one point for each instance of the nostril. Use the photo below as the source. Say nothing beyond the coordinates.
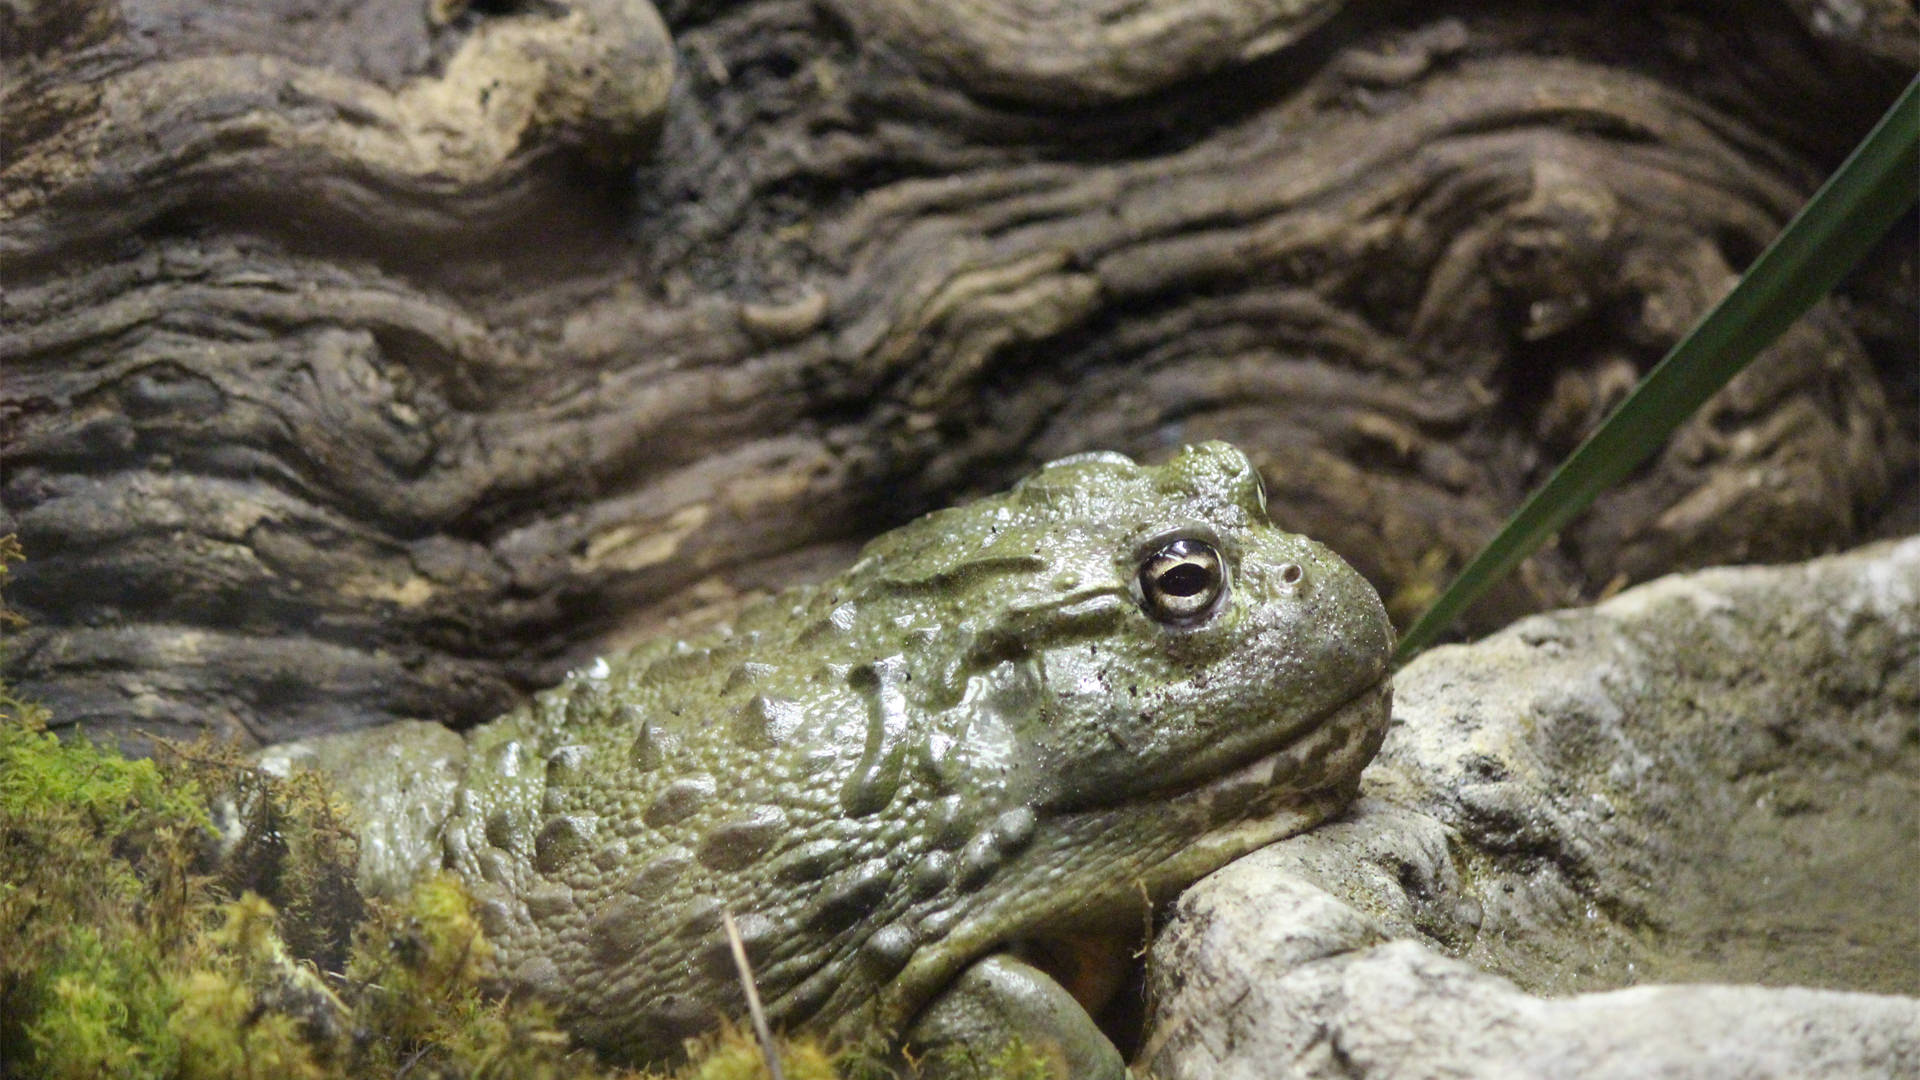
(1290, 574)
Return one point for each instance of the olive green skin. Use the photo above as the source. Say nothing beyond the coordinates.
(974, 735)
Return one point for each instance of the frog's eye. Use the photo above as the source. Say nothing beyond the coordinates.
(1182, 581)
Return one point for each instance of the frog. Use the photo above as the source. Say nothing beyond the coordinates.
(925, 796)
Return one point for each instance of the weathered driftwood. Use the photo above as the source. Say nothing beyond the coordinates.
(367, 360)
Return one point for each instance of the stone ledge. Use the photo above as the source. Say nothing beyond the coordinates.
(1712, 780)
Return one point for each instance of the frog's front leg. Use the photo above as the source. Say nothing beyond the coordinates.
(1002, 998)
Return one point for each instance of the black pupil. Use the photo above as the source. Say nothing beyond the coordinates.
(1186, 579)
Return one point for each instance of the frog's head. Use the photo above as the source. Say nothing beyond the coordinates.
(1130, 678)
(1230, 638)
(1126, 630)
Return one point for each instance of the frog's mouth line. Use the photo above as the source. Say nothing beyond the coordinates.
(1318, 755)
(1294, 752)
(1095, 963)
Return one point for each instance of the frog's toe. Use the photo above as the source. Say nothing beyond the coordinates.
(1003, 1005)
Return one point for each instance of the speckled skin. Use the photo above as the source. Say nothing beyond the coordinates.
(975, 734)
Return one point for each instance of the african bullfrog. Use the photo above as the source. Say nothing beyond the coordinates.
(921, 787)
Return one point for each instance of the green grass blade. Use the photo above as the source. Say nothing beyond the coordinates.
(1839, 225)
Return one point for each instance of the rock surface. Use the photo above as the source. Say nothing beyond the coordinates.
(1578, 833)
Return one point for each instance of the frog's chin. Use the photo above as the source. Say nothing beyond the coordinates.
(1205, 825)
(1277, 795)
(1079, 934)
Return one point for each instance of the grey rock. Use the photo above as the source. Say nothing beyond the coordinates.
(1673, 835)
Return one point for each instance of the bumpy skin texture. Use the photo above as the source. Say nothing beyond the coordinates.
(975, 735)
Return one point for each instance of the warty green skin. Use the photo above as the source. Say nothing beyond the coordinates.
(974, 735)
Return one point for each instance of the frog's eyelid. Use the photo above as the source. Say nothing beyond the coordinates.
(1146, 542)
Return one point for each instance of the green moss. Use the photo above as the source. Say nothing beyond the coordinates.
(421, 966)
(732, 1054)
(95, 897)
(100, 1010)
(292, 841)
(42, 779)
(223, 1034)
(247, 1009)
(1019, 1061)
(119, 957)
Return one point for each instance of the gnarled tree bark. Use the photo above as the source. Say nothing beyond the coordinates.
(369, 360)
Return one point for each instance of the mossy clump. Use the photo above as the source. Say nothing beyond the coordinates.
(132, 944)
(97, 894)
(290, 839)
(420, 974)
(247, 1010)
(1018, 1060)
(732, 1054)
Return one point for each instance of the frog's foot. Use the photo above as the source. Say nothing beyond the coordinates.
(1002, 1001)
